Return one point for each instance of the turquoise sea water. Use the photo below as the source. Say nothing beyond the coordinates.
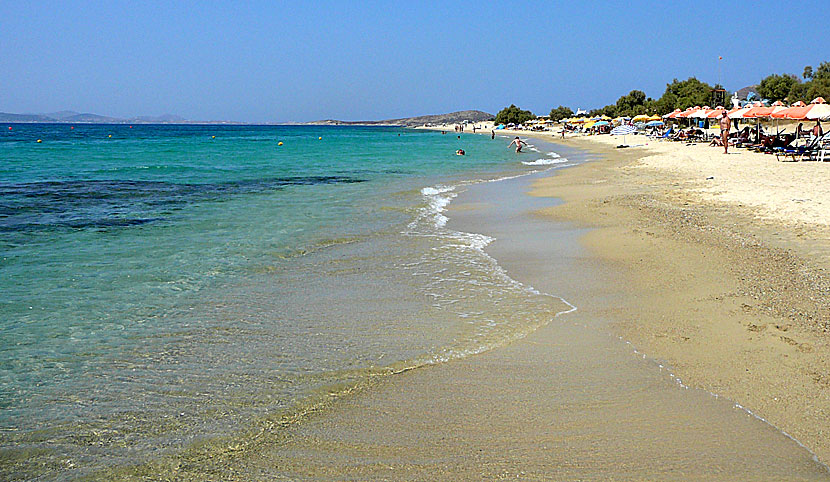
(173, 286)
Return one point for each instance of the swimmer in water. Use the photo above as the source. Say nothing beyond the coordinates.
(519, 144)
(460, 152)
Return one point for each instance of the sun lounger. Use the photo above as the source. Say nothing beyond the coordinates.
(822, 150)
(808, 152)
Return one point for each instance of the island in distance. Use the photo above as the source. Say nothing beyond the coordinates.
(72, 117)
(451, 118)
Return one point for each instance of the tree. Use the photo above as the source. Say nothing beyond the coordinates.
(513, 115)
(823, 70)
(818, 87)
(560, 113)
(798, 92)
(777, 87)
(631, 104)
(818, 84)
(681, 94)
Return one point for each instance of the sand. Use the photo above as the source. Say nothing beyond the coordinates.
(725, 258)
(692, 282)
(700, 341)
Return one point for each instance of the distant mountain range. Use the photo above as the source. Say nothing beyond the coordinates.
(451, 118)
(72, 117)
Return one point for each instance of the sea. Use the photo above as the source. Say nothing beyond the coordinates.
(168, 290)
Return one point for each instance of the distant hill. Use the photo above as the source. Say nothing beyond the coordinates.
(61, 114)
(72, 117)
(91, 119)
(4, 117)
(742, 93)
(162, 119)
(451, 118)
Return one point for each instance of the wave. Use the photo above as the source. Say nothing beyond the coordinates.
(546, 162)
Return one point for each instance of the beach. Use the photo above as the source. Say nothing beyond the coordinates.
(689, 287)
(726, 259)
(572, 312)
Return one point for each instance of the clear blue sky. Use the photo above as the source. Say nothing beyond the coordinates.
(297, 61)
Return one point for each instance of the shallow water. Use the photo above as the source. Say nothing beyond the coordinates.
(165, 290)
(568, 402)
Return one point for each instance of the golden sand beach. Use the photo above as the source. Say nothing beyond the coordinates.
(713, 266)
(727, 259)
(698, 350)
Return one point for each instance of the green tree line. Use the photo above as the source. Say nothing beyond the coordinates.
(513, 115)
(681, 94)
(789, 88)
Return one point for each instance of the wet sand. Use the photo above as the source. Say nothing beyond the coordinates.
(572, 401)
(730, 294)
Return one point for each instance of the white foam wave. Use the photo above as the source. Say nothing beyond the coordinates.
(545, 162)
(438, 198)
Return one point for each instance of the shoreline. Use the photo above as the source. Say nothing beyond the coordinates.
(496, 414)
(499, 413)
(725, 261)
(730, 295)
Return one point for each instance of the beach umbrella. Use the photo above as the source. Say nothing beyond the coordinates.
(623, 130)
(817, 109)
(654, 123)
(784, 113)
(654, 117)
(716, 112)
(759, 110)
(601, 123)
(686, 113)
(639, 117)
(673, 114)
(739, 113)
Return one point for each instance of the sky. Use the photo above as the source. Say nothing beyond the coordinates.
(272, 61)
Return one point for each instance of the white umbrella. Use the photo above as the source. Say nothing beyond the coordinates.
(623, 130)
(820, 111)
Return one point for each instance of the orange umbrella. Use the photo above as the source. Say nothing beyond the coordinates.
(817, 109)
(762, 111)
(716, 112)
(741, 113)
(796, 109)
(688, 112)
(702, 113)
(672, 115)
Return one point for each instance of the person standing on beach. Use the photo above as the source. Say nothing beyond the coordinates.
(724, 130)
(518, 143)
(492, 134)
